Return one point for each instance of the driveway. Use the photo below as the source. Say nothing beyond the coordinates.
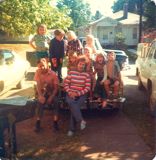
(108, 136)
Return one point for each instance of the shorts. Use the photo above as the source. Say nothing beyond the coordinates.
(42, 54)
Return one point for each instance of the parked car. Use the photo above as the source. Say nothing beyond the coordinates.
(121, 57)
(12, 70)
(146, 72)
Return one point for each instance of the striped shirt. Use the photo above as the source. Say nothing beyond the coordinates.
(78, 82)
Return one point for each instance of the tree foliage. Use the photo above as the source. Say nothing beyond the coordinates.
(79, 11)
(150, 13)
(20, 17)
(149, 9)
(133, 5)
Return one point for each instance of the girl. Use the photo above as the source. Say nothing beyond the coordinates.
(90, 43)
(40, 42)
(74, 44)
(101, 71)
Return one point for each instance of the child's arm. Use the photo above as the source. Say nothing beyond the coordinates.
(31, 42)
(105, 73)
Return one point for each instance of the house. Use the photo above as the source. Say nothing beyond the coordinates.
(106, 28)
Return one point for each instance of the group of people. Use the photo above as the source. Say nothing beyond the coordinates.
(86, 76)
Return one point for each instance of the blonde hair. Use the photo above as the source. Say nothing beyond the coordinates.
(41, 26)
(89, 49)
(71, 35)
(90, 37)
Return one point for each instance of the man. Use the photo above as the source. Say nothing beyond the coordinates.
(47, 90)
(77, 84)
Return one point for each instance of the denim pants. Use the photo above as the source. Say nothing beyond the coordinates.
(74, 105)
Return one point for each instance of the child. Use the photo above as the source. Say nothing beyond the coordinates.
(100, 70)
(72, 62)
(74, 44)
(90, 43)
(113, 74)
(56, 51)
(40, 42)
(89, 66)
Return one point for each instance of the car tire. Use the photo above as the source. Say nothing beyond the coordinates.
(151, 102)
(140, 85)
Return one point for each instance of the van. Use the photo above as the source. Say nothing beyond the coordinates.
(146, 72)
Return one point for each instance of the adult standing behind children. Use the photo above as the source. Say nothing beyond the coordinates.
(74, 44)
(56, 50)
(40, 42)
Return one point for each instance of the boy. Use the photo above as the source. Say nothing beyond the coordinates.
(113, 75)
(56, 51)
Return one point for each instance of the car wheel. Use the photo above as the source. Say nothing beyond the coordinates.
(20, 85)
(140, 85)
(151, 103)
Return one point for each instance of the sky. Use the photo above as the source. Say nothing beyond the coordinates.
(104, 6)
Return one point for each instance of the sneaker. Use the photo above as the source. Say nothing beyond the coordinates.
(70, 133)
(82, 125)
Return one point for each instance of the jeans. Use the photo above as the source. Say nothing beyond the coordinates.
(74, 105)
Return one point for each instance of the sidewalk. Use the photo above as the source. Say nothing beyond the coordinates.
(113, 138)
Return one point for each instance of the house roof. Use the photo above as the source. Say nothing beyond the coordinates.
(118, 16)
(132, 18)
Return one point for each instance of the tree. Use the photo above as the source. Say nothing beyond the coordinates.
(150, 13)
(133, 5)
(20, 17)
(79, 11)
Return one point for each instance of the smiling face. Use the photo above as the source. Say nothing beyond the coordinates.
(111, 56)
(87, 52)
(43, 66)
(42, 30)
(100, 59)
(81, 66)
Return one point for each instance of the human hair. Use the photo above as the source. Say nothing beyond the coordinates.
(90, 38)
(71, 35)
(58, 32)
(99, 55)
(113, 53)
(82, 59)
(41, 26)
(88, 48)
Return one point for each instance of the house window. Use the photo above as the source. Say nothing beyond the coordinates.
(134, 33)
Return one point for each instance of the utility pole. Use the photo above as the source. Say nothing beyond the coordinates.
(140, 20)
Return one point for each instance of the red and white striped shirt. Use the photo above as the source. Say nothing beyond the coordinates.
(78, 82)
